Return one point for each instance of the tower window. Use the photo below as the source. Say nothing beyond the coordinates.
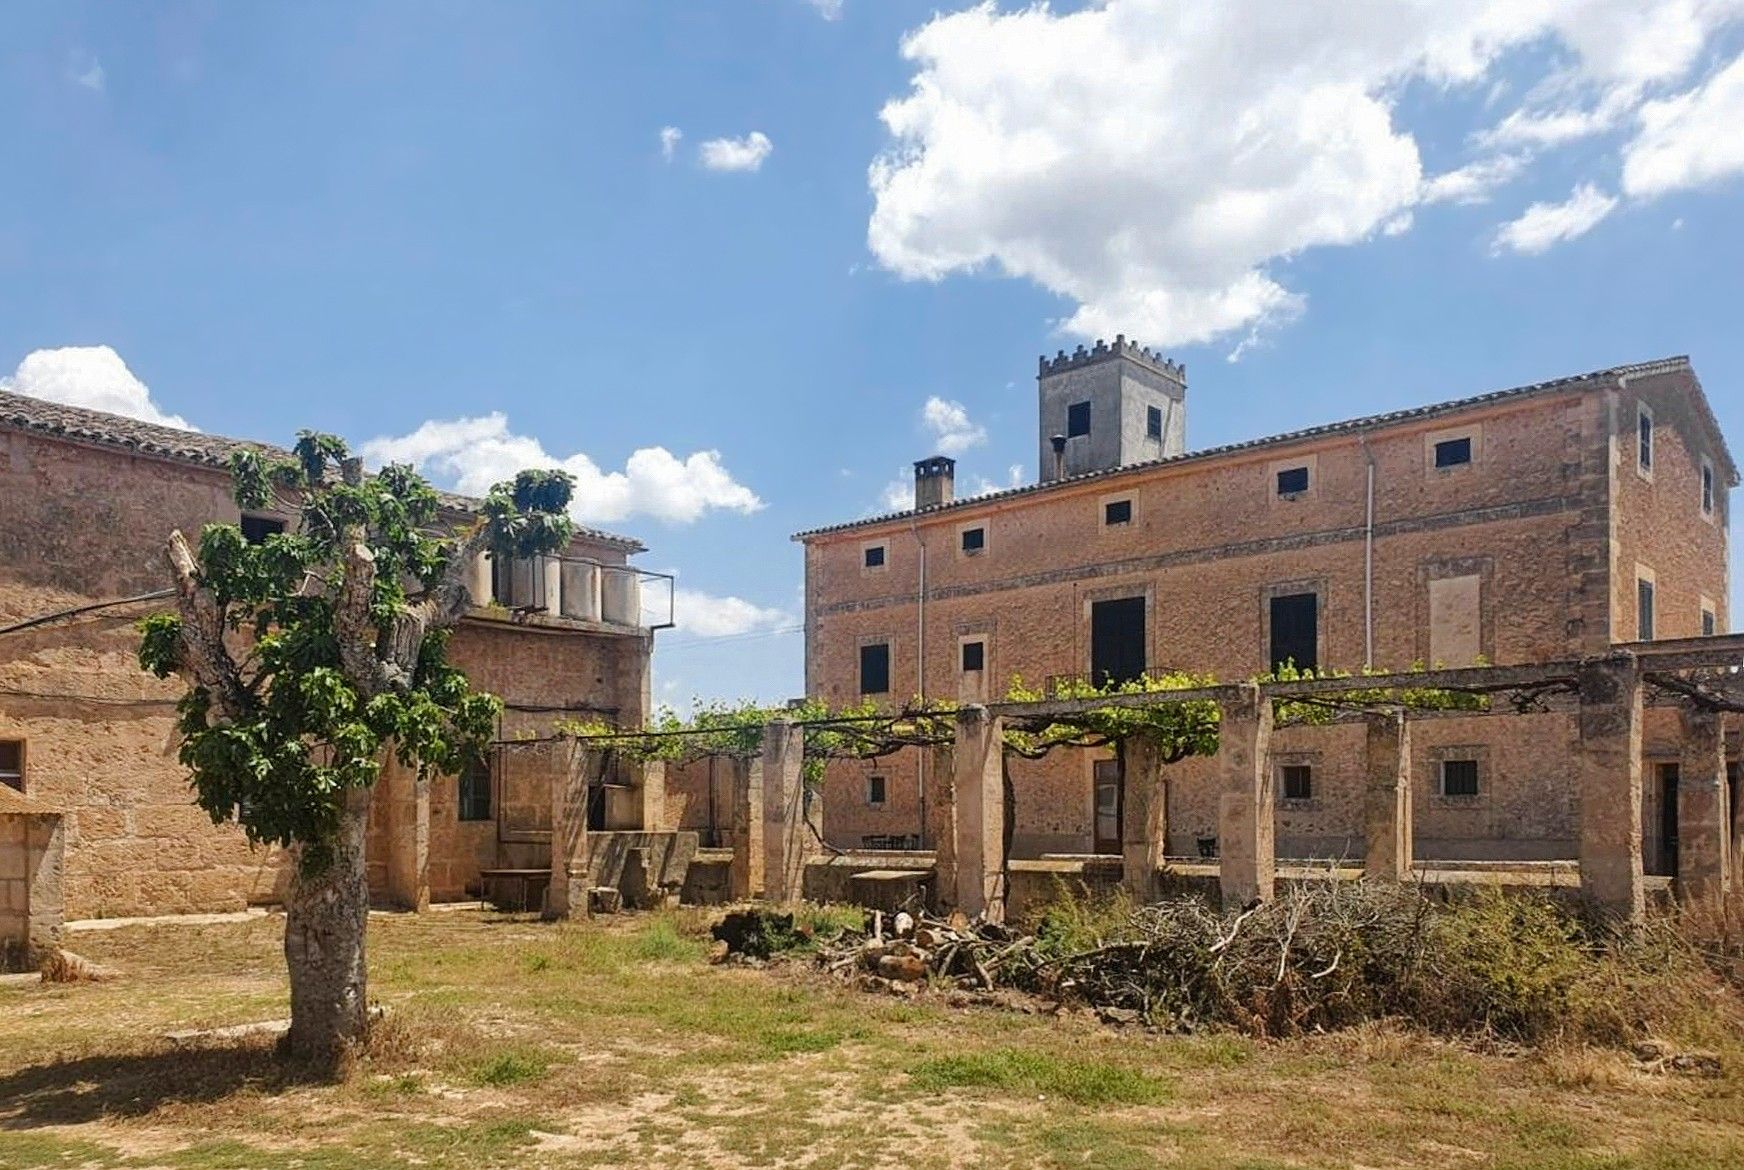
(974, 656)
(1707, 488)
(1153, 422)
(1298, 781)
(1292, 481)
(1077, 419)
(875, 669)
(974, 539)
(1709, 625)
(1644, 438)
(1117, 512)
(1453, 452)
(1643, 610)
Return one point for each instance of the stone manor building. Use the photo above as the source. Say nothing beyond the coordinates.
(87, 743)
(1547, 522)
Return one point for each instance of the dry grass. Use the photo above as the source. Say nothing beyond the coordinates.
(513, 1043)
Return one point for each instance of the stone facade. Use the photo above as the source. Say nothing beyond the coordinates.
(1528, 551)
(90, 499)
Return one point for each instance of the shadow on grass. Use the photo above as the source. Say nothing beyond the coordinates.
(132, 1085)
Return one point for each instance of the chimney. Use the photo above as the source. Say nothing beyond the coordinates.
(934, 481)
(1058, 442)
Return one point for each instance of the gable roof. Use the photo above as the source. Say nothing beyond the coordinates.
(1667, 365)
(77, 424)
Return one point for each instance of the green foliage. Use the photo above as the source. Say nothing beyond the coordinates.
(307, 732)
(1319, 710)
(1182, 729)
(1029, 1073)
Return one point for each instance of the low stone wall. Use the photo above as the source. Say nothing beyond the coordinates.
(32, 861)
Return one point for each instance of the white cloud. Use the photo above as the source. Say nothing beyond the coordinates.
(1690, 140)
(897, 496)
(91, 376)
(670, 136)
(736, 154)
(471, 454)
(87, 72)
(984, 486)
(1545, 224)
(707, 616)
(949, 423)
(828, 9)
(1153, 162)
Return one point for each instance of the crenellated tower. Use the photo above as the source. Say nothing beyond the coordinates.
(1108, 406)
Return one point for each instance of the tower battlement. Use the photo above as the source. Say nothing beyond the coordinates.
(1102, 351)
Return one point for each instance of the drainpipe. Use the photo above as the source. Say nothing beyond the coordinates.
(920, 664)
(1369, 559)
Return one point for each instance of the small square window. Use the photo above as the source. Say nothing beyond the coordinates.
(974, 656)
(12, 763)
(1453, 452)
(1298, 781)
(1117, 512)
(875, 790)
(1459, 777)
(1292, 481)
(875, 669)
(1709, 623)
(1077, 419)
(974, 539)
(1153, 422)
(1707, 488)
(1643, 610)
(255, 529)
(1644, 438)
(874, 556)
(475, 788)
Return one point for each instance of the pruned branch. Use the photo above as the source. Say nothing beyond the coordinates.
(204, 656)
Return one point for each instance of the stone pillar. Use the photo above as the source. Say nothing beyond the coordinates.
(978, 783)
(1608, 763)
(567, 895)
(745, 874)
(1704, 864)
(941, 827)
(1387, 801)
(653, 791)
(787, 843)
(404, 799)
(1144, 825)
(45, 852)
(1245, 827)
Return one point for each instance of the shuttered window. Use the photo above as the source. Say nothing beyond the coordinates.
(1117, 640)
(875, 669)
(1296, 631)
(1077, 419)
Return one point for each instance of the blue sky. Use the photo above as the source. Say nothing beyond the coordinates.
(397, 221)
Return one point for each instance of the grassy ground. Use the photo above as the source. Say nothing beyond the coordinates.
(512, 1043)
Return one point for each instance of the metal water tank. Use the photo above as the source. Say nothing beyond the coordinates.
(620, 597)
(581, 590)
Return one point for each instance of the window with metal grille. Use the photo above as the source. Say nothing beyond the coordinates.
(1292, 481)
(1077, 419)
(12, 763)
(255, 529)
(1153, 422)
(1643, 610)
(1459, 777)
(1296, 631)
(974, 539)
(475, 788)
(874, 790)
(1298, 781)
(875, 669)
(874, 556)
(1453, 452)
(1117, 512)
(1117, 640)
(974, 656)
(1709, 623)
(1644, 438)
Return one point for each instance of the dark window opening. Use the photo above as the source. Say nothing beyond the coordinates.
(12, 764)
(1669, 777)
(1292, 481)
(1644, 444)
(1453, 452)
(1643, 610)
(974, 656)
(1106, 781)
(1117, 640)
(1709, 623)
(255, 529)
(1298, 782)
(875, 556)
(1707, 490)
(1459, 777)
(1117, 512)
(1077, 419)
(1296, 631)
(1153, 422)
(875, 669)
(974, 539)
(475, 788)
(874, 790)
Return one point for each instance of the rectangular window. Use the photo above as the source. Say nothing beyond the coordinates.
(1077, 419)
(1709, 623)
(1298, 782)
(1453, 452)
(875, 790)
(974, 656)
(874, 556)
(1459, 777)
(1707, 488)
(1292, 481)
(974, 539)
(1117, 512)
(255, 529)
(475, 788)
(1643, 610)
(1153, 422)
(1296, 631)
(1117, 640)
(1644, 438)
(12, 763)
(1105, 781)
(875, 669)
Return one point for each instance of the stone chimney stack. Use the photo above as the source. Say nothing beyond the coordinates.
(934, 481)
(1115, 404)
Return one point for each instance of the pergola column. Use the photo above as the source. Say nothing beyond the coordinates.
(1144, 828)
(941, 826)
(566, 896)
(1245, 829)
(786, 840)
(978, 797)
(1387, 800)
(653, 795)
(745, 874)
(1704, 864)
(1608, 763)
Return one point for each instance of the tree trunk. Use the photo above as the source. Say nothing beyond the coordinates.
(325, 917)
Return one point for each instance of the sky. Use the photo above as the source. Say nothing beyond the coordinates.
(737, 264)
